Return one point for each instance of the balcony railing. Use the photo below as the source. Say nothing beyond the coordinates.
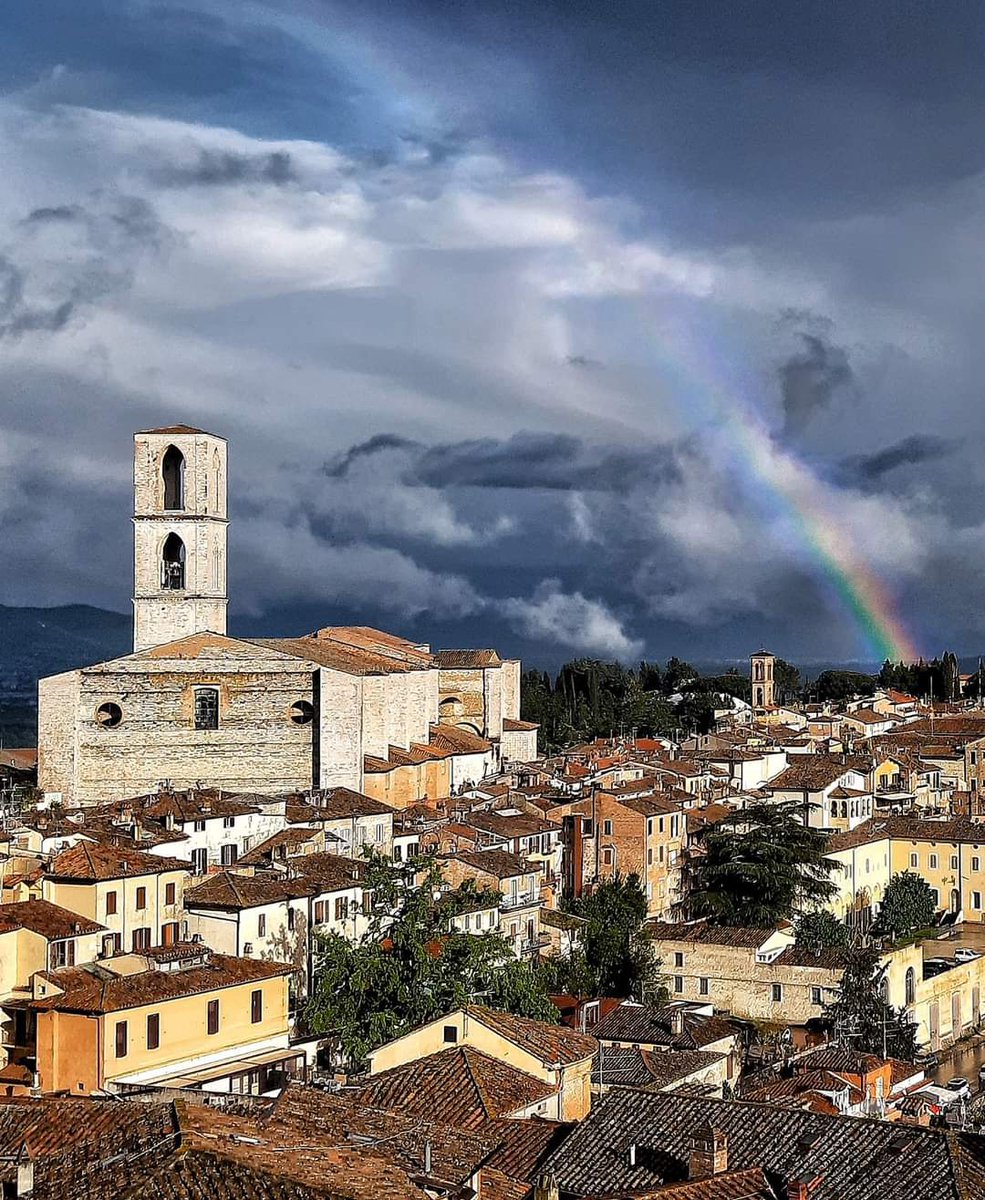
(520, 900)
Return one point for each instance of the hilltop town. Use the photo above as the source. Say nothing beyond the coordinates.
(318, 916)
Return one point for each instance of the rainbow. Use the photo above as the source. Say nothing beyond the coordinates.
(789, 490)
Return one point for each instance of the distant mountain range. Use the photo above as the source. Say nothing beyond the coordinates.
(43, 641)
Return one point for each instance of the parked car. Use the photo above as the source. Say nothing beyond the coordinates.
(928, 1060)
(966, 954)
(960, 1085)
(935, 966)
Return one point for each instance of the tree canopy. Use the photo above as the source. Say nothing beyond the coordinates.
(410, 969)
(907, 905)
(616, 958)
(590, 698)
(862, 1016)
(821, 930)
(757, 866)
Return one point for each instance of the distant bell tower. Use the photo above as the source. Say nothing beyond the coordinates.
(761, 673)
(179, 534)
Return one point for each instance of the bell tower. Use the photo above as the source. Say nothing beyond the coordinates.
(761, 671)
(179, 534)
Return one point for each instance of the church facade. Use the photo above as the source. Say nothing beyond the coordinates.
(343, 706)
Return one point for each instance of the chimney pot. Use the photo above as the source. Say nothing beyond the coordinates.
(709, 1153)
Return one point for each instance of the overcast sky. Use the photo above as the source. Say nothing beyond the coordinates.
(457, 282)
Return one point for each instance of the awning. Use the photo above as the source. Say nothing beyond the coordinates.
(216, 1071)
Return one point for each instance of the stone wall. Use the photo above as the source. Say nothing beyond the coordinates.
(257, 746)
(58, 703)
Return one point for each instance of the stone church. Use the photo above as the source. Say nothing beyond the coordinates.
(343, 706)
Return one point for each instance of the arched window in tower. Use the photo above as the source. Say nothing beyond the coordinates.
(173, 473)
(173, 564)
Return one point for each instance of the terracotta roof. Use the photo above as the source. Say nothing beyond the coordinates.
(708, 934)
(460, 1086)
(729, 1185)
(177, 429)
(630, 1066)
(498, 863)
(284, 839)
(20, 758)
(810, 772)
(516, 826)
(450, 659)
(456, 1154)
(195, 805)
(523, 1144)
(513, 726)
(90, 861)
(911, 829)
(344, 802)
(550, 1043)
(96, 989)
(51, 921)
(647, 1026)
(232, 892)
(851, 1158)
(340, 656)
(458, 741)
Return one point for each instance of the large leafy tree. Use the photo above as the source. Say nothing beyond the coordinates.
(410, 969)
(862, 1016)
(821, 930)
(907, 905)
(757, 866)
(616, 957)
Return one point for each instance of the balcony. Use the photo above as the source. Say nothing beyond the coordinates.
(511, 902)
(536, 944)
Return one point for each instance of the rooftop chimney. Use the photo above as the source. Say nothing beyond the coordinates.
(709, 1153)
(803, 1187)
(677, 1020)
(427, 1157)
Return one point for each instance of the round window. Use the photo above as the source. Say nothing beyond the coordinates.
(302, 712)
(109, 715)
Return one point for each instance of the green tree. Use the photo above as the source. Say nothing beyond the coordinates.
(409, 969)
(821, 930)
(757, 866)
(862, 1016)
(840, 685)
(786, 681)
(616, 958)
(907, 905)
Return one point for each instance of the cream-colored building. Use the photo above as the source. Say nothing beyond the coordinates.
(192, 705)
(762, 975)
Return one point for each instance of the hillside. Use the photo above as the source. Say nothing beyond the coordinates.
(42, 641)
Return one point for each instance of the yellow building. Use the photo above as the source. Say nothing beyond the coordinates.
(948, 854)
(178, 1018)
(136, 896)
(551, 1053)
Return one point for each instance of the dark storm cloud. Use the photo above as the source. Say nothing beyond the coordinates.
(810, 379)
(215, 168)
(910, 451)
(548, 461)
(107, 240)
